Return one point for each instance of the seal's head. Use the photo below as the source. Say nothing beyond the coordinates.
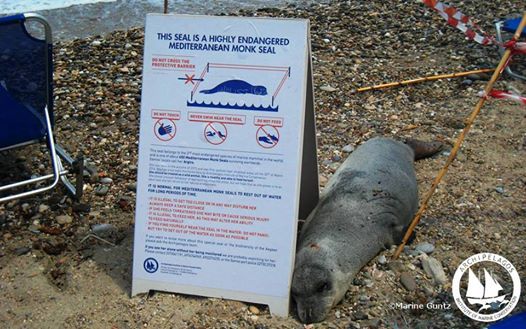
(317, 285)
(260, 90)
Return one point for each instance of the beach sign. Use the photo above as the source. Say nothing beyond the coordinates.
(227, 156)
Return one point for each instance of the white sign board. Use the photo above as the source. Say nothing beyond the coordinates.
(223, 124)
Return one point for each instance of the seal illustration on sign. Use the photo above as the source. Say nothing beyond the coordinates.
(365, 207)
(236, 87)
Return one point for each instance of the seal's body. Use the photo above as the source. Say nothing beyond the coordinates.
(365, 207)
(236, 87)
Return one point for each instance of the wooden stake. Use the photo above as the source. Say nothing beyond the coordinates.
(428, 78)
(166, 6)
(458, 142)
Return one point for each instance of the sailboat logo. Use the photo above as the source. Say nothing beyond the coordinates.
(486, 295)
(485, 298)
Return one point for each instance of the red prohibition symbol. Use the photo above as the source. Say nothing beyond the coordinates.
(215, 133)
(164, 129)
(267, 136)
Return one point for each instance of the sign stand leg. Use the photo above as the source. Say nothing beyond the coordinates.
(309, 192)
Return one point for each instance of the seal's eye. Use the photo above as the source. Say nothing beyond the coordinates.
(325, 286)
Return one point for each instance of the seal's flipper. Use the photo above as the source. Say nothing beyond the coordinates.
(423, 149)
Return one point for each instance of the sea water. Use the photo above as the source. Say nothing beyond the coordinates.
(18, 6)
(83, 18)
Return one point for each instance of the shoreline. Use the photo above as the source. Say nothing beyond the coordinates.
(101, 18)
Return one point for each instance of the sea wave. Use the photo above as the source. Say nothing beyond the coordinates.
(17, 6)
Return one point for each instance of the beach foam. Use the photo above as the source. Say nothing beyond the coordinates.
(17, 6)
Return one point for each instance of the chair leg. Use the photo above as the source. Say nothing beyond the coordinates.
(79, 181)
(77, 165)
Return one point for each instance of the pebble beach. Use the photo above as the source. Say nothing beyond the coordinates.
(55, 274)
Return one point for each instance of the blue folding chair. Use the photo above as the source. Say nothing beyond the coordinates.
(517, 321)
(26, 104)
(509, 26)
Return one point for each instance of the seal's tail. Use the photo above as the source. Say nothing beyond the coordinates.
(423, 149)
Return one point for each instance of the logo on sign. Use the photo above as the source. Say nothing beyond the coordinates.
(151, 265)
(493, 287)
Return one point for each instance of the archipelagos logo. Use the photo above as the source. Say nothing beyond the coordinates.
(150, 265)
(486, 287)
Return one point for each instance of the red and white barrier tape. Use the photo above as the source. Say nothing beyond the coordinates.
(462, 22)
(505, 95)
(516, 47)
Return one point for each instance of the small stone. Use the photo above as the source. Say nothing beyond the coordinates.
(106, 180)
(43, 208)
(254, 318)
(94, 214)
(373, 323)
(467, 82)
(328, 88)
(359, 315)
(64, 219)
(348, 148)
(337, 314)
(334, 166)
(103, 230)
(428, 291)
(253, 309)
(90, 170)
(419, 105)
(363, 298)
(433, 268)
(322, 180)
(410, 252)
(425, 247)
(96, 43)
(132, 187)
(497, 236)
(102, 190)
(481, 76)
(21, 251)
(336, 158)
(408, 281)
(25, 207)
(357, 282)
(396, 266)
(422, 325)
(455, 123)
(35, 228)
(382, 260)
(81, 208)
(500, 189)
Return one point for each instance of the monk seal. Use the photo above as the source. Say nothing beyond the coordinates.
(365, 207)
(236, 87)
